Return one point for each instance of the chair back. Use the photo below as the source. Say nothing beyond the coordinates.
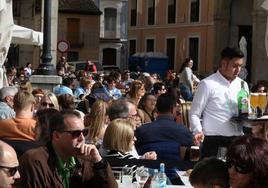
(185, 109)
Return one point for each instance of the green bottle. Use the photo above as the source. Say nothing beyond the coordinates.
(243, 101)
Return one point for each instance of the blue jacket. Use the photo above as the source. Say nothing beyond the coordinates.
(163, 134)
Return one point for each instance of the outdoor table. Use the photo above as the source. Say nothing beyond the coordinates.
(184, 178)
(154, 164)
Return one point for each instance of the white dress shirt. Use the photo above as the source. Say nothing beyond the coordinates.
(216, 101)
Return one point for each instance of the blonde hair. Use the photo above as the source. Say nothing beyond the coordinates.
(52, 97)
(85, 81)
(22, 100)
(119, 135)
(97, 119)
(54, 100)
(27, 86)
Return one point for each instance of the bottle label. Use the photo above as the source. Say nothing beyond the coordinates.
(162, 183)
(244, 101)
(244, 105)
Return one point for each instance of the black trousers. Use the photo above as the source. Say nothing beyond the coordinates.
(212, 143)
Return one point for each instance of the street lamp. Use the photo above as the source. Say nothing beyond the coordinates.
(46, 67)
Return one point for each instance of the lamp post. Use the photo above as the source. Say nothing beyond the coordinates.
(46, 67)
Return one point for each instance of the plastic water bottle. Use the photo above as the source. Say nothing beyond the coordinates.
(155, 179)
(162, 176)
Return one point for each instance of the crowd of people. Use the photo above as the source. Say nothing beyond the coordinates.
(65, 137)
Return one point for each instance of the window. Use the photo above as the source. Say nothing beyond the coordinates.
(110, 19)
(170, 52)
(194, 14)
(194, 51)
(132, 47)
(171, 11)
(151, 12)
(133, 13)
(150, 45)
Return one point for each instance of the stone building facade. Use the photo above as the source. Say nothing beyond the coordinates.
(113, 32)
(79, 25)
(200, 29)
(77, 22)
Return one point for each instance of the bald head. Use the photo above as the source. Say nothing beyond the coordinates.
(8, 156)
(8, 165)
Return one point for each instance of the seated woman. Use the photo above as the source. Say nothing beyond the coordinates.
(49, 100)
(121, 145)
(136, 91)
(97, 121)
(247, 160)
(147, 105)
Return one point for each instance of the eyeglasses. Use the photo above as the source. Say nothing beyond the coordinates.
(11, 170)
(238, 168)
(47, 104)
(77, 133)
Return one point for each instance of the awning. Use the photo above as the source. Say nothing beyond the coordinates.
(23, 35)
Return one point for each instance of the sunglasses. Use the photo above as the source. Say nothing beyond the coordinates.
(238, 168)
(47, 104)
(77, 133)
(11, 170)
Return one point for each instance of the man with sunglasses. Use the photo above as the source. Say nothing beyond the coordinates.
(159, 89)
(66, 161)
(8, 165)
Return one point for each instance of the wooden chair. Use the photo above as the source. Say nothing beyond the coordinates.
(185, 108)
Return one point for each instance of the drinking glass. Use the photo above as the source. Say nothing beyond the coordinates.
(142, 175)
(117, 171)
(194, 153)
(262, 101)
(127, 175)
(254, 101)
(222, 153)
